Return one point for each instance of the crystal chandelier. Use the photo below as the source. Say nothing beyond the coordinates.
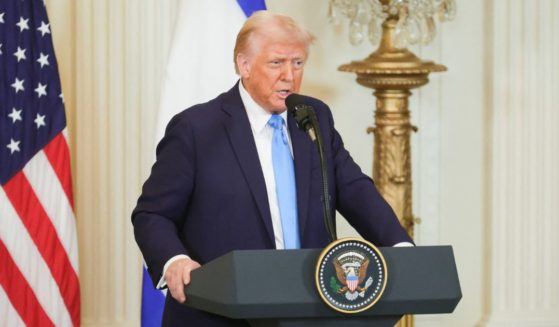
(415, 19)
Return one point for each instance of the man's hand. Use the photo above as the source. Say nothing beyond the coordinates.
(178, 275)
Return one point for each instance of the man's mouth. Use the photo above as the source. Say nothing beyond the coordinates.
(284, 93)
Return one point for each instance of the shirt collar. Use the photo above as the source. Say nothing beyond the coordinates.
(257, 116)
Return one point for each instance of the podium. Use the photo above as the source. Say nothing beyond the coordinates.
(272, 288)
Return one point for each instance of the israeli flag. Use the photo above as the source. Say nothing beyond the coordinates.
(200, 66)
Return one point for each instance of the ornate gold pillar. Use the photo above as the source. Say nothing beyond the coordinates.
(392, 73)
(392, 161)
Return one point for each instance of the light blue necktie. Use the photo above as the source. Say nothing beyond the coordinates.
(284, 173)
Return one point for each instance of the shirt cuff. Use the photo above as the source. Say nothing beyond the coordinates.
(402, 245)
(162, 282)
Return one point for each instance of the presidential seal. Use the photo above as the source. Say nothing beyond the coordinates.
(351, 275)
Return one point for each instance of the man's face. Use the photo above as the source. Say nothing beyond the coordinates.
(271, 70)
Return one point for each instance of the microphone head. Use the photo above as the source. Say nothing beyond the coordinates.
(301, 112)
(293, 100)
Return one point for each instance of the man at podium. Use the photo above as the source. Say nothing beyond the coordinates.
(235, 173)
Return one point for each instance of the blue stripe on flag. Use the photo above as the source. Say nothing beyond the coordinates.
(250, 6)
(153, 302)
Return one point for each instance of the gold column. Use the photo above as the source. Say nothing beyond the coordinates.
(393, 72)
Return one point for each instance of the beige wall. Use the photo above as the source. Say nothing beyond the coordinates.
(484, 174)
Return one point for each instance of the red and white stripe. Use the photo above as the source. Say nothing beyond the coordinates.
(38, 243)
(352, 285)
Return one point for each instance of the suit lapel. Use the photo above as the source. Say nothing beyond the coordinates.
(242, 141)
(302, 147)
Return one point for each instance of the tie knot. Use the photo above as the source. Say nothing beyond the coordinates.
(276, 121)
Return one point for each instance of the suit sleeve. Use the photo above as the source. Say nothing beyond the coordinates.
(160, 211)
(357, 198)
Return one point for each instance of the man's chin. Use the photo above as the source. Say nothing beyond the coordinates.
(278, 111)
(277, 107)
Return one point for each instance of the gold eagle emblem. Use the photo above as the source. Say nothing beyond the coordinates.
(351, 271)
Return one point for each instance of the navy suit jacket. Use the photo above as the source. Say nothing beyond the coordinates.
(206, 194)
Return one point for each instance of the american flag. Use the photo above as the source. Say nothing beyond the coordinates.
(39, 283)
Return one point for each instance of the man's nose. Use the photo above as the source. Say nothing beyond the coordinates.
(287, 72)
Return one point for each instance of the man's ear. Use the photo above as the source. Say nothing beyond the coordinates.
(243, 65)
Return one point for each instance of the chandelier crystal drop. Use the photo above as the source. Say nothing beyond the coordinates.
(415, 19)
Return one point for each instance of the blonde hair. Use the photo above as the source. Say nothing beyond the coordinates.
(262, 20)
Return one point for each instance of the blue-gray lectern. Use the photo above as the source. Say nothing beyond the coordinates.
(277, 288)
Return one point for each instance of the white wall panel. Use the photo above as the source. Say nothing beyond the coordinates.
(523, 288)
(111, 56)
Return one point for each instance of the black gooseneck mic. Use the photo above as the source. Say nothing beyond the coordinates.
(305, 117)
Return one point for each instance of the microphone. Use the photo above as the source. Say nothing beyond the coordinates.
(302, 113)
(306, 120)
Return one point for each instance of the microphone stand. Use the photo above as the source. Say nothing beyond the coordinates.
(306, 120)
